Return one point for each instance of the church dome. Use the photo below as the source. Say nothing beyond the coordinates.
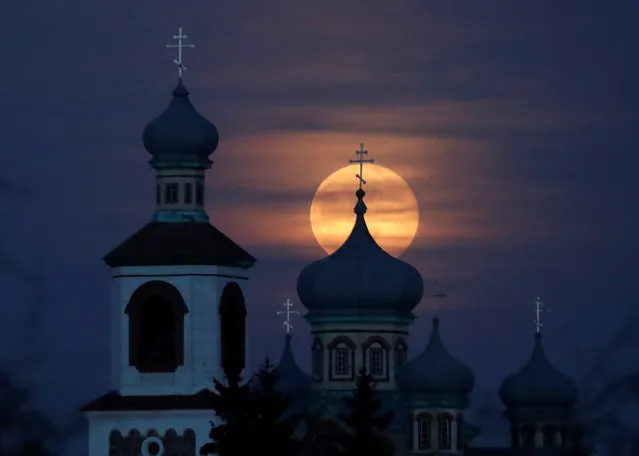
(360, 277)
(436, 372)
(180, 134)
(538, 384)
(291, 379)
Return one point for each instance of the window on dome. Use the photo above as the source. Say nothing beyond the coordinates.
(528, 436)
(342, 361)
(424, 432)
(199, 193)
(318, 360)
(376, 360)
(188, 193)
(444, 432)
(171, 194)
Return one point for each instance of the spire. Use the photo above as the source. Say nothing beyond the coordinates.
(180, 141)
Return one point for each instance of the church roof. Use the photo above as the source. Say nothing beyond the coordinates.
(114, 401)
(291, 379)
(435, 372)
(360, 278)
(538, 384)
(180, 136)
(185, 243)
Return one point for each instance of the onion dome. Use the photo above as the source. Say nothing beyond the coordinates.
(360, 277)
(435, 372)
(180, 135)
(538, 384)
(291, 379)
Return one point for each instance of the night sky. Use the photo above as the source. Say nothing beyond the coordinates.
(514, 122)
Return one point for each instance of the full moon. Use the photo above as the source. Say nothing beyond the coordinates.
(392, 216)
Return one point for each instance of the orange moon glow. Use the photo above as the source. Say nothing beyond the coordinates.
(392, 216)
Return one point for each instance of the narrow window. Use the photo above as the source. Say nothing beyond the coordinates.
(232, 310)
(318, 361)
(528, 436)
(342, 364)
(460, 432)
(171, 193)
(444, 432)
(400, 359)
(376, 360)
(188, 193)
(425, 424)
(199, 193)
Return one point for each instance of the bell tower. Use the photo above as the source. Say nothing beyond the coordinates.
(178, 309)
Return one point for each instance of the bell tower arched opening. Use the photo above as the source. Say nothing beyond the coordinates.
(232, 310)
(156, 313)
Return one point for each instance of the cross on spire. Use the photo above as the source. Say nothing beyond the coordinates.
(288, 312)
(361, 160)
(538, 309)
(180, 45)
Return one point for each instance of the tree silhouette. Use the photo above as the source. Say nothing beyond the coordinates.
(254, 418)
(365, 421)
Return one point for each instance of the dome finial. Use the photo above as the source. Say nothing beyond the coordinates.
(288, 313)
(180, 45)
(361, 160)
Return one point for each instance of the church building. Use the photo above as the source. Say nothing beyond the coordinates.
(178, 320)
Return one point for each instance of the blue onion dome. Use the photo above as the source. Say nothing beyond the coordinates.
(538, 384)
(360, 277)
(291, 379)
(436, 372)
(180, 134)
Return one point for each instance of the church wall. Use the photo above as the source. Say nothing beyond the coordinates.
(201, 288)
(102, 423)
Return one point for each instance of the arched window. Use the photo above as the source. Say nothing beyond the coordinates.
(460, 432)
(318, 359)
(375, 351)
(341, 351)
(445, 424)
(401, 354)
(424, 431)
(232, 312)
(528, 436)
(548, 433)
(156, 327)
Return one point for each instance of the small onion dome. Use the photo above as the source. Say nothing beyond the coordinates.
(538, 384)
(360, 277)
(291, 379)
(180, 134)
(437, 372)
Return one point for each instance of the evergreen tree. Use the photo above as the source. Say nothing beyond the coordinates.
(272, 426)
(365, 421)
(253, 419)
(231, 406)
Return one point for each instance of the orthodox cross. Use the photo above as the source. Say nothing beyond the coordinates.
(180, 45)
(361, 152)
(538, 309)
(288, 312)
